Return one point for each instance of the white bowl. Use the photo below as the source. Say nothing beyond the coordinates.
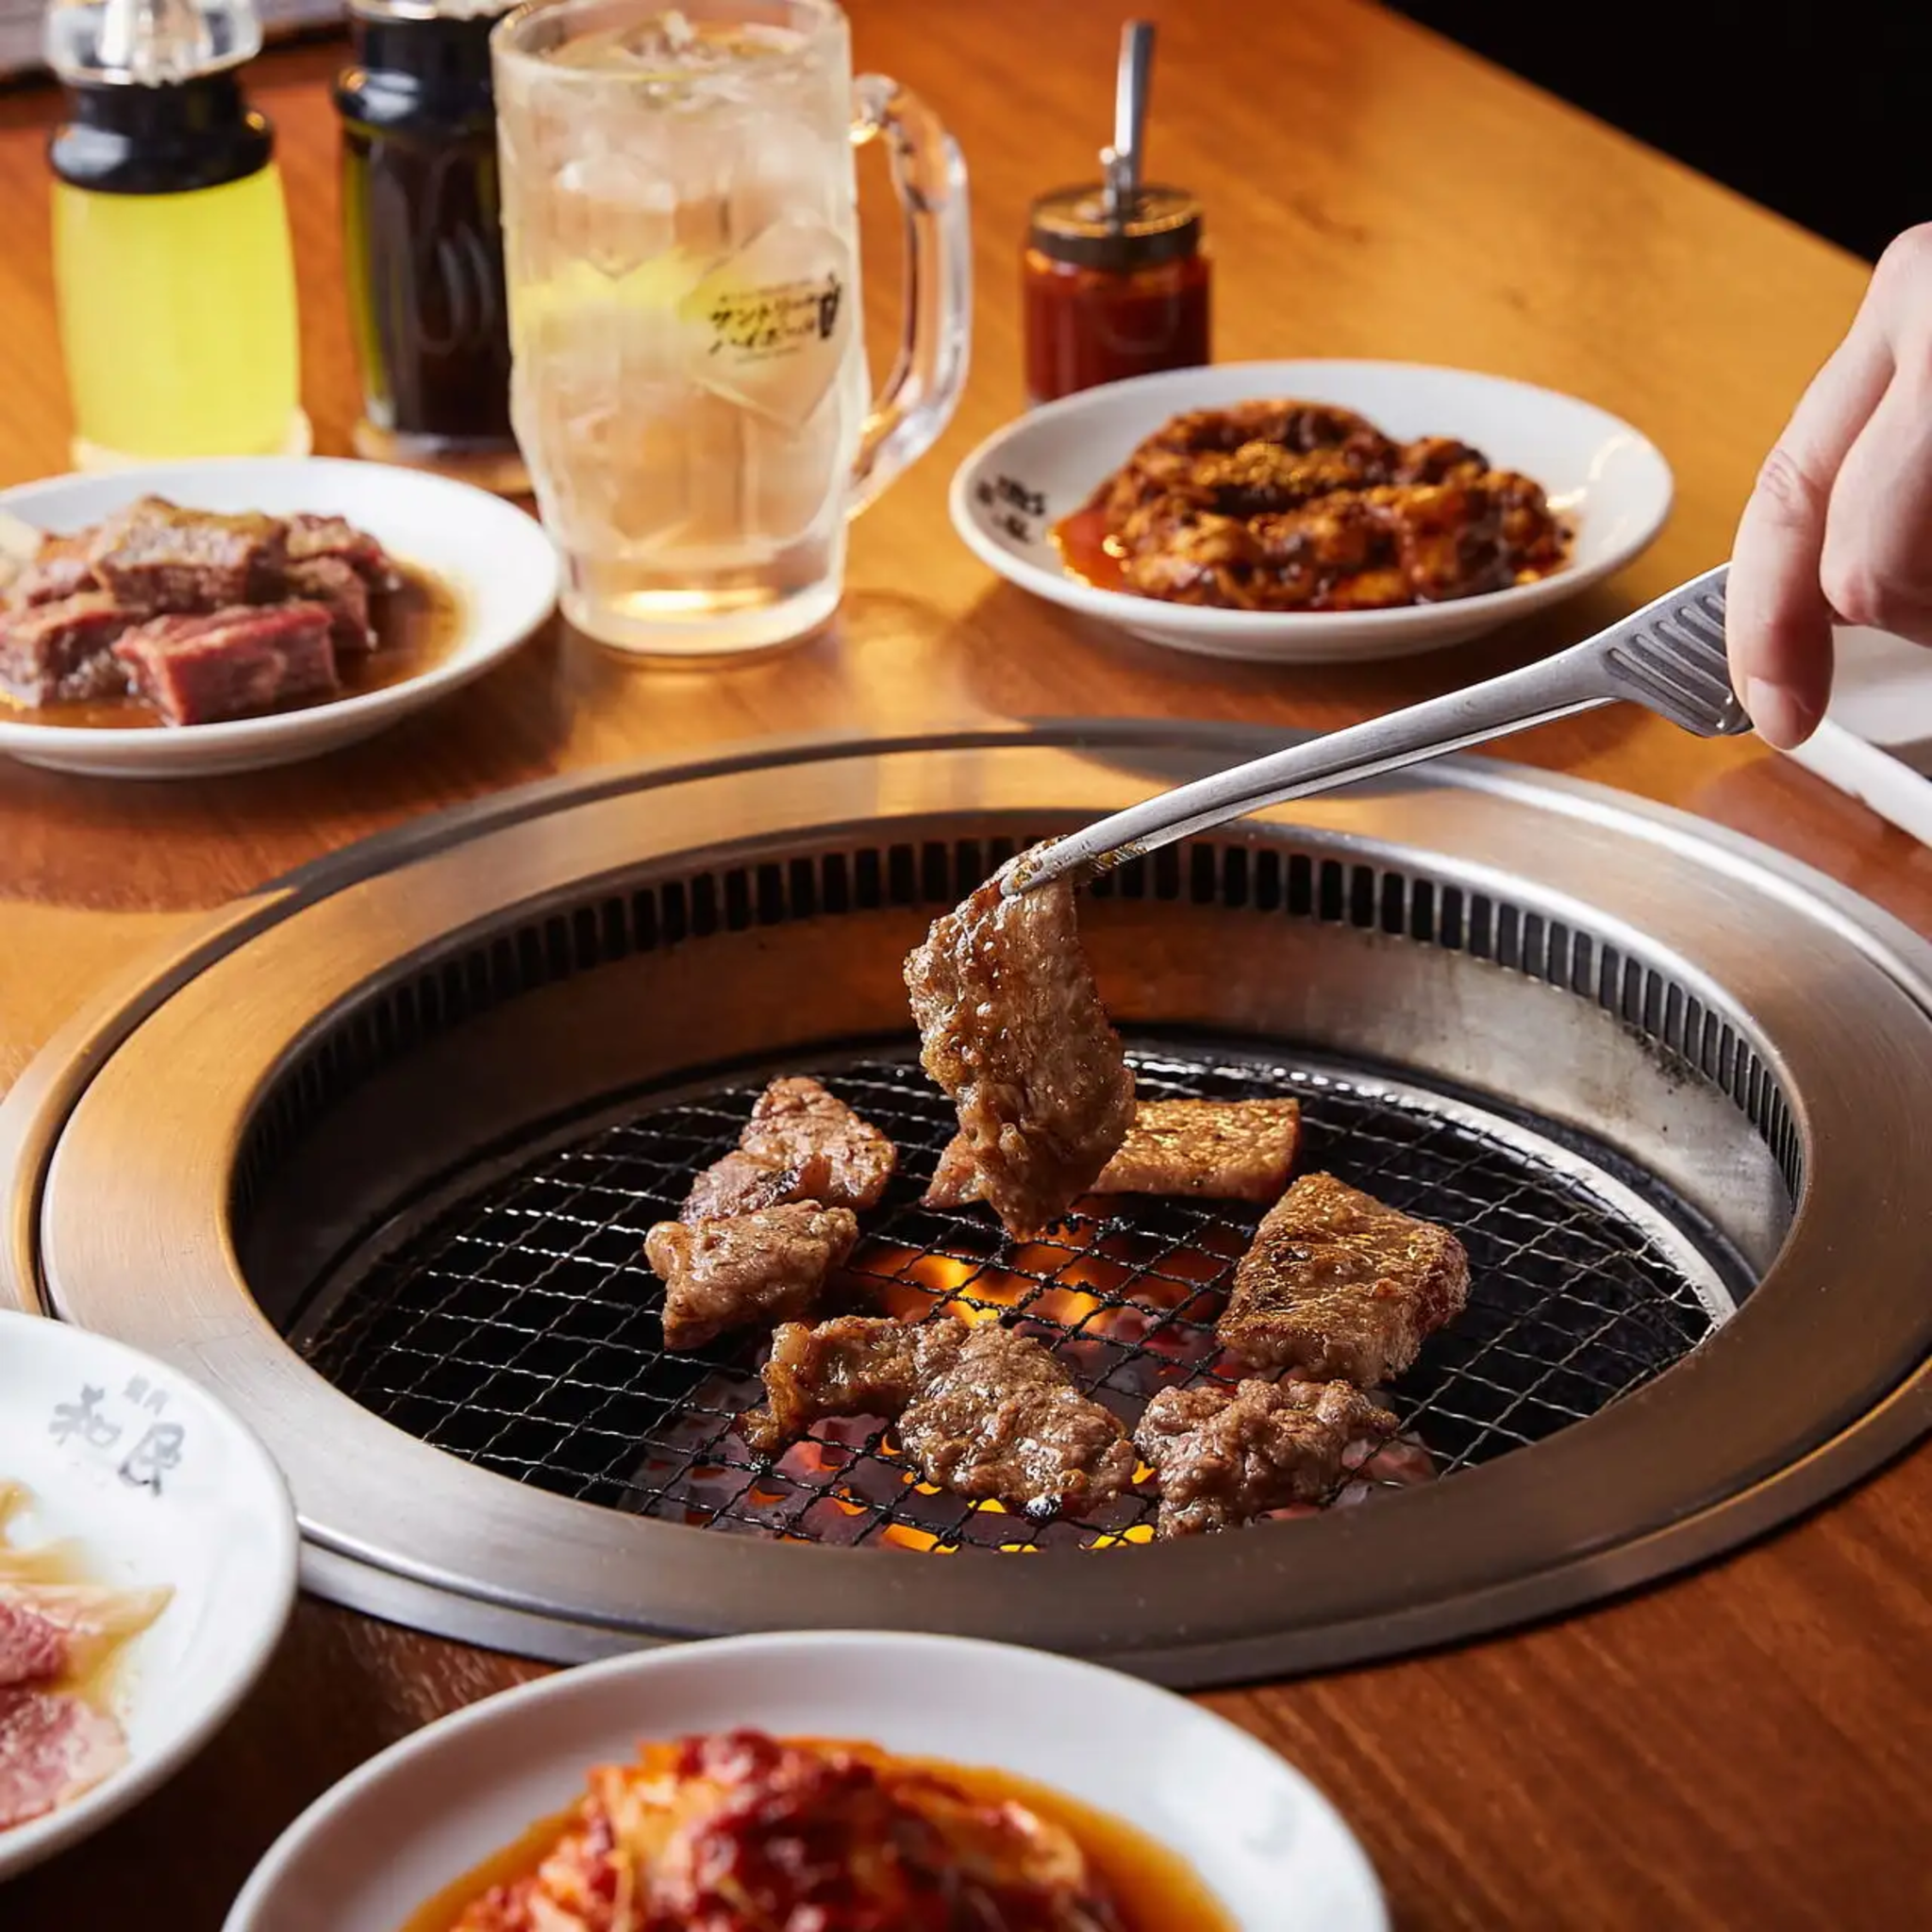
(216, 1526)
(1604, 475)
(496, 557)
(431, 1809)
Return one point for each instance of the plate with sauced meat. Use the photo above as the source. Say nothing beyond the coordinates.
(1309, 512)
(191, 619)
(845, 1781)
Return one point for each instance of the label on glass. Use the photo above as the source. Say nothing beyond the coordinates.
(770, 327)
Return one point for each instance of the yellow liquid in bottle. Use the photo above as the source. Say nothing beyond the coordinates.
(177, 314)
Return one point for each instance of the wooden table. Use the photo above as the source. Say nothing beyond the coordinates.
(1742, 1748)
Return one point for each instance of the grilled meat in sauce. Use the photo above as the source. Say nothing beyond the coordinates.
(1225, 1455)
(1285, 505)
(981, 1410)
(1012, 1027)
(1341, 1285)
(205, 616)
(230, 663)
(159, 557)
(64, 649)
(750, 1269)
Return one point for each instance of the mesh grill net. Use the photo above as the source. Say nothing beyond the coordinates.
(521, 1330)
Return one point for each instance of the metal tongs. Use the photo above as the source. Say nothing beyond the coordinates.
(1669, 658)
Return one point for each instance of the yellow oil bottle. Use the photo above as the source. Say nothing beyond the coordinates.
(173, 269)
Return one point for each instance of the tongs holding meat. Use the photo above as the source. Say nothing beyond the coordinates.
(1669, 658)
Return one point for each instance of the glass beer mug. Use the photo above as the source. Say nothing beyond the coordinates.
(688, 382)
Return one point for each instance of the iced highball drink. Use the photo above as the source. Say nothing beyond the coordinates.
(689, 375)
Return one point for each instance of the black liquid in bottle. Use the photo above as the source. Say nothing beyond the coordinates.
(423, 237)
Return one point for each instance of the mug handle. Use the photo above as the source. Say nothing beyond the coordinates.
(929, 179)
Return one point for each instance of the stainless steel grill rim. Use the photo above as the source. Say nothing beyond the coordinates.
(1721, 1446)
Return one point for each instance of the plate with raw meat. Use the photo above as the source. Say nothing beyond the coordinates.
(191, 619)
(1311, 512)
(823, 1778)
(147, 1565)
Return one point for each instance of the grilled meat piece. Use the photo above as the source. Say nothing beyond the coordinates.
(231, 663)
(1223, 1457)
(336, 586)
(952, 1177)
(51, 652)
(763, 1267)
(796, 1122)
(1221, 1150)
(1002, 1417)
(56, 571)
(1215, 1150)
(743, 1183)
(981, 1410)
(162, 557)
(852, 1365)
(1341, 1285)
(310, 539)
(1012, 1027)
(801, 1144)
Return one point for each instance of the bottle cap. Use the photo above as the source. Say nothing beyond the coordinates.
(148, 42)
(1074, 225)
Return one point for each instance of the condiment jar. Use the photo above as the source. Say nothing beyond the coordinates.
(422, 239)
(173, 271)
(1109, 295)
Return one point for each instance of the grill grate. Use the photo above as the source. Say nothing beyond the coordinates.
(520, 1330)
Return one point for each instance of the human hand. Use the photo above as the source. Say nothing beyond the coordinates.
(1839, 528)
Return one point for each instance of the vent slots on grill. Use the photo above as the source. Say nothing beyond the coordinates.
(1260, 878)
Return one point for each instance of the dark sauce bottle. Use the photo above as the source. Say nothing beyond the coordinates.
(424, 240)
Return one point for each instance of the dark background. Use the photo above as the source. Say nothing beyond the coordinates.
(1821, 109)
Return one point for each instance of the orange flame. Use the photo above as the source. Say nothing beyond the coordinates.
(902, 1536)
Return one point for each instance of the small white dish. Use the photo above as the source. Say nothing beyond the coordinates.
(158, 1484)
(428, 1810)
(496, 558)
(1607, 477)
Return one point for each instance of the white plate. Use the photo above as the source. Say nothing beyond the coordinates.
(159, 1484)
(1609, 477)
(429, 1809)
(495, 557)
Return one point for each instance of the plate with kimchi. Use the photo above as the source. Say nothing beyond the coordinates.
(1309, 512)
(839, 1781)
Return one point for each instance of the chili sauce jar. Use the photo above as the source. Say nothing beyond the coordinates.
(1112, 292)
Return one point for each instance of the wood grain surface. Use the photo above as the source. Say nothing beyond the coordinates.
(1744, 1748)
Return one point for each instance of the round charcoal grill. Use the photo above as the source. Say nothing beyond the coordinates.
(519, 1329)
(383, 1143)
